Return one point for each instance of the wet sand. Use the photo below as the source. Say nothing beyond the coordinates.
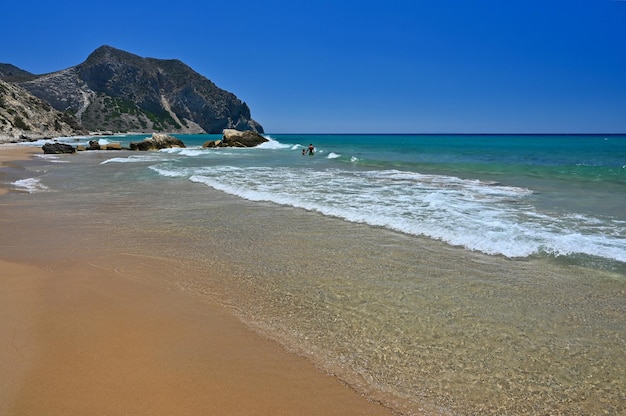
(82, 336)
(10, 153)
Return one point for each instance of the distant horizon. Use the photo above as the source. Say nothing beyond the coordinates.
(383, 134)
(455, 133)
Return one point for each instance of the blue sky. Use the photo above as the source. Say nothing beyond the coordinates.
(395, 66)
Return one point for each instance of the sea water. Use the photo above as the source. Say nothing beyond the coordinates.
(515, 196)
(442, 274)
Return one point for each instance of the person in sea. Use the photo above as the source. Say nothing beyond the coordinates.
(311, 150)
(303, 152)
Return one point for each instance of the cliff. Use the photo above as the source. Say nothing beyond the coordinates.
(117, 91)
(26, 117)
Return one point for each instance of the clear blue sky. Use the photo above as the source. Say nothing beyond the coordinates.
(394, 66)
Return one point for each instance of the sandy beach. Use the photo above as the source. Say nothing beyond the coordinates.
(84, 335)
(123, 292)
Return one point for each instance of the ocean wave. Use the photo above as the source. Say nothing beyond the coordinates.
(132, 159)
(30, 185)
(273, 144)
(51, 158)
(192, 152)
(170, 171)
(480, 216)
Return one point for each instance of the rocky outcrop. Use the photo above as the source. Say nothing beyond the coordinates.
(24, 117)
(156, 142)
(242, 138)
(236, 138)
(57, 148)
(95, 145)
(212, 144)
(117, 91)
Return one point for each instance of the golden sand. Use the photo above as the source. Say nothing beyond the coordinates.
(83, 339)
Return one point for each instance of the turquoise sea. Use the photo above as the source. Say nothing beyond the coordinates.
(510, 195)
(441, 274)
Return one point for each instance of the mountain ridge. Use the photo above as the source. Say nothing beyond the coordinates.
(117, 91)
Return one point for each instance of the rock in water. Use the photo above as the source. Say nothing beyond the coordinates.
(156, 142)
(236, 138)
(57, 148)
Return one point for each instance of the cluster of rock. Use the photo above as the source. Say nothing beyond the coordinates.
(156, 142)
(95, 145)
(230, 138)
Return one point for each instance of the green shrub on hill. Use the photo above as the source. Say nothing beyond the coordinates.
(19, 123)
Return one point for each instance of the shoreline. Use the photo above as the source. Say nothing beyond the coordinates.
(10, 153)
(413, 323)
(88, 335)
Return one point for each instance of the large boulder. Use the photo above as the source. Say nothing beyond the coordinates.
(236, 138)
(156, 142)
(57, 148)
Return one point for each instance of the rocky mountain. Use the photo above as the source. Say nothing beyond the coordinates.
(117, 91)
(26, 117)
(12, 73)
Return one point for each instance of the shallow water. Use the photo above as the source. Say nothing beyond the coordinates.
(415, 323)
(512, 195)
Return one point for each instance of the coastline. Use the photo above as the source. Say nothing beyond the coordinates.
(12, 153)
(85, 334)
(414, 323)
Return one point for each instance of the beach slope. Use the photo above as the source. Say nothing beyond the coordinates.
(81, 337)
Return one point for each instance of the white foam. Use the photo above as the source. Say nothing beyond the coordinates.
(273, 144)
(36, 143)
(192, 152)
(333, 155)
(30, 185)
(132, 159)
(51, 158)
(185, 151)
(482, 216)
(170, 171)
